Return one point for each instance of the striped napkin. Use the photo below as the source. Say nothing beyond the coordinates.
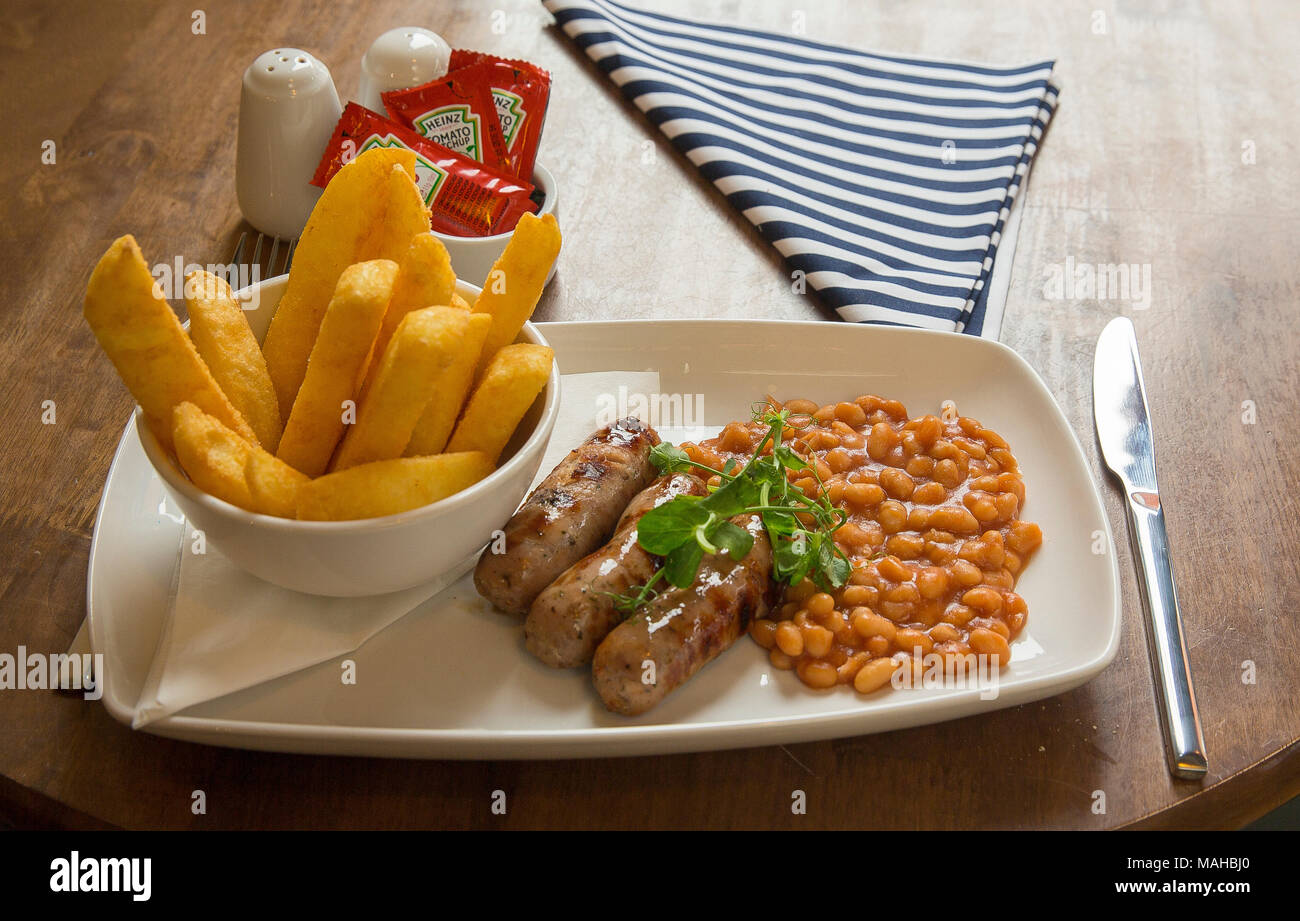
(887, 181)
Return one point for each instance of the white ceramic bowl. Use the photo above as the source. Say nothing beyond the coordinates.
(370, 556)
(472, 257)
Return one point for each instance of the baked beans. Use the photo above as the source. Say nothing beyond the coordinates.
(933, 533)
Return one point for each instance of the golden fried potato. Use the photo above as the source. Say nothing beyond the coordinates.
(388, 157)
(224, 465)
(513, 379)
(424, 279)
(387, 487)
(426, 342)
(347, 332)
(221, 333)
(405, 215)
(511, 290)
(460, 303)
(370, 210)
(147, 344)
(449, 391)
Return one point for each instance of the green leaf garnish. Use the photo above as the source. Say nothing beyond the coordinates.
(734, 539)
(683, 530)
(681, 565)
(669, 458)
(643, 594)
(663, 529)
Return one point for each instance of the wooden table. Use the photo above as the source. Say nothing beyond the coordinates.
(1146, 163)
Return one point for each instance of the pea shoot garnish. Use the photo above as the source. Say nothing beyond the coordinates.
(801, 530)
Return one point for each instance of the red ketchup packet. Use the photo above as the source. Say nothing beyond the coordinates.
(521, 92)
(465, 198)
(456, 111)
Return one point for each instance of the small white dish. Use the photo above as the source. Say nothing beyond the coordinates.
(370, 556)
(472, 257)
(452, 679)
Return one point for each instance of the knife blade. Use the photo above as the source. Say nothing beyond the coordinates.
(1119, 403)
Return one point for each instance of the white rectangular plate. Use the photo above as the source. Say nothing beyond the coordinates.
(452, 678)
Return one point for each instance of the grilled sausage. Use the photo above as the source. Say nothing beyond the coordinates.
(575, 612)
(569, 514)
(683, 629)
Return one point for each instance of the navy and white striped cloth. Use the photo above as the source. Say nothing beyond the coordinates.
(886, 180)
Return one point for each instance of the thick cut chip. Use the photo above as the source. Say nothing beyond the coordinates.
(224, 465)
(147, 344)
(460, 303)
(426, 342)
(328, 391)
(514, 377)
(390, 486)
(221, 333)
(511, 290)
(404, 216)
(370, 210)
(449, 391)
(424, 279)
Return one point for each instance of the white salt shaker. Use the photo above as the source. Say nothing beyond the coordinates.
(287, 111)
(402, 57)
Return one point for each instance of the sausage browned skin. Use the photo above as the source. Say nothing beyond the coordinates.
(683, 629)
(575, 612)
(568, 515)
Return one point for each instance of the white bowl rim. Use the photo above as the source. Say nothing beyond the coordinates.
(547, 206)
(170, 473)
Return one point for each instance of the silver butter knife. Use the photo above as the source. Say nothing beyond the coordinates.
(1119, 404)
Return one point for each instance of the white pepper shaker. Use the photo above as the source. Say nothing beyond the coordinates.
(287, 111)
(401, 57)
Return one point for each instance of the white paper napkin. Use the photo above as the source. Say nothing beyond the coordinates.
(228, 630)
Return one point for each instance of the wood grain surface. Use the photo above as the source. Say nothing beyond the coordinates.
(1174, 147)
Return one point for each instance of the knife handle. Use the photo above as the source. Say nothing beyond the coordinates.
(1184, 743)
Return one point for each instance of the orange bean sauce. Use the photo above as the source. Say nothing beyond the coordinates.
(933, 533)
